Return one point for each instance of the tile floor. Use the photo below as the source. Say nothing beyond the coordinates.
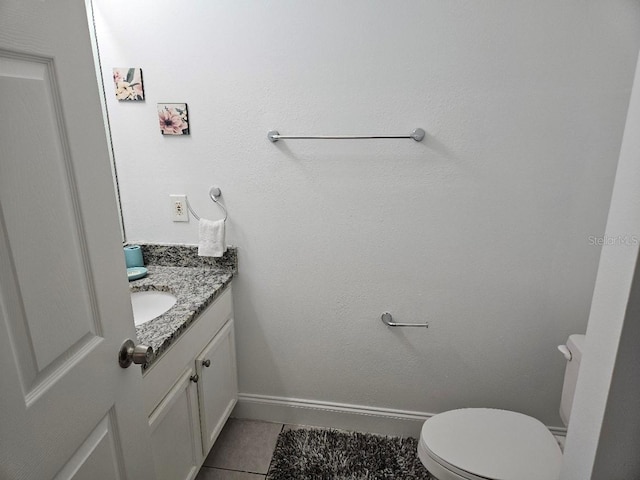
(243, 451)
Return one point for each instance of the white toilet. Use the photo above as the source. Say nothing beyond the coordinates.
(491, 444)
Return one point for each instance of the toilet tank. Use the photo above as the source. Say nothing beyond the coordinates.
(575, 345)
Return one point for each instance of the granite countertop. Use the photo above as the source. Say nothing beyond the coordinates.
(195, 287)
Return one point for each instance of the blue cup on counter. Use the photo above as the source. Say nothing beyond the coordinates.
(133, 256)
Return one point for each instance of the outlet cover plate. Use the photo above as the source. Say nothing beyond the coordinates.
(179, 210)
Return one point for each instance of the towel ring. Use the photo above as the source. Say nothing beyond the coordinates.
(214, 193)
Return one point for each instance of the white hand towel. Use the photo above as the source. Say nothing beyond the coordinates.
(212, 243)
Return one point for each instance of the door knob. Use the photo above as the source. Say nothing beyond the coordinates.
(206, 363)
(131, 353)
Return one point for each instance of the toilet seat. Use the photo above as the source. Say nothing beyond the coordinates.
(488, 444)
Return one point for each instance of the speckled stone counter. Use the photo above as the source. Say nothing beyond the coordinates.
(195, 281)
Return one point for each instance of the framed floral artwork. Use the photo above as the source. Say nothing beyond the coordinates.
(173, 118)
(128, 82)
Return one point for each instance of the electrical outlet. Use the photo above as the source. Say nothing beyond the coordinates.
(179, 211)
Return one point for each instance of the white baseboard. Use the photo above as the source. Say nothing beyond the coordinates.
(343, 416)
(297, 411)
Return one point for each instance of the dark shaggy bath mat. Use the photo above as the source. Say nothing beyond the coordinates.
(316, 454)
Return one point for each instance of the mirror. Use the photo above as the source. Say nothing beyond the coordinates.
(105, 114)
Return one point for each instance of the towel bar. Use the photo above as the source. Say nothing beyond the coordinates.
(387, 319)
(273, 135)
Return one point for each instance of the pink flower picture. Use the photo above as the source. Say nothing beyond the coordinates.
(173, 118)
(128, 82)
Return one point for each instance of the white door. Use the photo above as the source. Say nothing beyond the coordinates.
(67, 409)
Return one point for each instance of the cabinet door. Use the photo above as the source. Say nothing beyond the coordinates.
(175, 432)
(218, 384)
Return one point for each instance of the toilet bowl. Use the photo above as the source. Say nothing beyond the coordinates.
(483, 443)
(492, 444)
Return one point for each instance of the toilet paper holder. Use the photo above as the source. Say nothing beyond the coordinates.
(387, 319)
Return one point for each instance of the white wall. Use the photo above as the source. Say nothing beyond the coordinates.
(604, 433)
(483, 229)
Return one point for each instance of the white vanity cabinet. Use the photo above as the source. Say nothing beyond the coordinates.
(190, 392)
(175, 432)
(217, 384)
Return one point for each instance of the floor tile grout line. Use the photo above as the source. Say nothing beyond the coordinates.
(232, 470)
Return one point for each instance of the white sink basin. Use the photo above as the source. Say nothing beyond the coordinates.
(150, 304)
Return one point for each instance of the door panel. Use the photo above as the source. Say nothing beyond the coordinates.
(35, 162)
(99, 457)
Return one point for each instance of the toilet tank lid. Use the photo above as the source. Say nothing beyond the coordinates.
(575, 344)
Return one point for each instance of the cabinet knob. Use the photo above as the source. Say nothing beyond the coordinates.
(206, 363)
(194, 378)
